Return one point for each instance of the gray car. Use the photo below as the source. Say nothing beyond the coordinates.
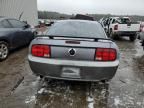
(13, 34)
(74, 50)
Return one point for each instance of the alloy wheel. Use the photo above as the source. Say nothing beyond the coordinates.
(3, 51)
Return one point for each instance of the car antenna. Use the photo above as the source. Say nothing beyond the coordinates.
(20, 15)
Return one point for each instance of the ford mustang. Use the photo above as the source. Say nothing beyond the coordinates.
(74, 50)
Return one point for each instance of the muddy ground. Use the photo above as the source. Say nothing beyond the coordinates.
(19, 88)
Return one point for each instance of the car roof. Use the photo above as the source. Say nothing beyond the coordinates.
(76, 20)
(115, 17)
(119, 17)
(2, 18)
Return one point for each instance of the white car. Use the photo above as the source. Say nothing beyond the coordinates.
(141, 35)
(121, 26)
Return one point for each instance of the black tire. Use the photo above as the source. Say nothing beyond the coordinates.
(133, 38)
(4, 50)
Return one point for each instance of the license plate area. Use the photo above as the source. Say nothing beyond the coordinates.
(129, 24)
(70, 72)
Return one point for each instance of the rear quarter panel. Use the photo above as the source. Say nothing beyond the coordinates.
(6, 35)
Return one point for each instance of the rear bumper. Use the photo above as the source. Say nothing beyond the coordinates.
(79, 70)
(125, 33)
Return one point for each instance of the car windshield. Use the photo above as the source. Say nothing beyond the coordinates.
(74, 28)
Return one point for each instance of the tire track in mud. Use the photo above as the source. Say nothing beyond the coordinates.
(17, 84)
(97, 95)
(62, 94)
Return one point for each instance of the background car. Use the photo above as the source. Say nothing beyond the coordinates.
(121, 26)
(13, 34)
(141, 34)
(74, 50)
(83, 17)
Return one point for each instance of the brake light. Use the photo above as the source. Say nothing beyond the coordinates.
(72, 42)
(116, 27)
(41, 51)
(105, 54)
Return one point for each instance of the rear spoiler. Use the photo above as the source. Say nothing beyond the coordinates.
(95, 39)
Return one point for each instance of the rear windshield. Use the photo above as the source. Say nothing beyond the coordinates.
(123, 20)
(87, 29)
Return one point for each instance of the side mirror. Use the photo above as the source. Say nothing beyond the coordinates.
(26, 26)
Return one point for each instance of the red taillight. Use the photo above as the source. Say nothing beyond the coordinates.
(105, 54)
(41, 50)
(72, 42)
(116, 27)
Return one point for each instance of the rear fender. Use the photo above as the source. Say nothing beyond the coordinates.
(6, 40)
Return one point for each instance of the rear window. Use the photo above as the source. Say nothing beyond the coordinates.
(5, 24)
(123, 20)
(88, 29)
(16, 23)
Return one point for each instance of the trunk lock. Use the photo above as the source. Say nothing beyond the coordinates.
(72, 52)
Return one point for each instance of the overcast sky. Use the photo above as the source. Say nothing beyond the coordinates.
(122, 7)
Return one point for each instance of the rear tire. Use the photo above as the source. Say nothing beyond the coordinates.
(4, 50)
(133, 38)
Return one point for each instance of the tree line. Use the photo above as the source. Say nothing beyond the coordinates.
(56, 15)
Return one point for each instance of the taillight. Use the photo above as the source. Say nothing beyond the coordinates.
(105, 54)
(41, 51)
(116, 27)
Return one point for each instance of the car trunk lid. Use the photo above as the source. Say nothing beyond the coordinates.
(74, 48)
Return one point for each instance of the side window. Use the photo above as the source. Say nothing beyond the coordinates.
(16, 23)
(106, 22)
(114, 21)
(110, 21)
(5, 24)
